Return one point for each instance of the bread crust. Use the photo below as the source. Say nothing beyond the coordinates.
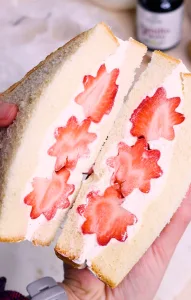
(108, 29)
(69, 260)
(186, 75)
(168, 57)
(40, 243)
(64, 254)
(12, 240)
(103, 278)
(138, 44)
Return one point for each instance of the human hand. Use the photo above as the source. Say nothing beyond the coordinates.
(8, 112)
(144, 279)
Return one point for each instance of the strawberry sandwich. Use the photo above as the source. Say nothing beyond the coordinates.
(139, 179)
(67, 106)
(114, 171)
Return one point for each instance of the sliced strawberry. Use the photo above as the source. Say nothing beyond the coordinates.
(71, 143)
(135, 166)
(105, 217)
(155, 117)
(99, 94)
(49, 194)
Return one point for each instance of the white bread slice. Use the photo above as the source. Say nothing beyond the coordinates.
(42, 96)
(111, 263)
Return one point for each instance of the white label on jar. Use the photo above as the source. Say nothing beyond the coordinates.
(159, 30)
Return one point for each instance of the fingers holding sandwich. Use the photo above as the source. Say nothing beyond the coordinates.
(8, 112)
(151, 267)
(82, 284)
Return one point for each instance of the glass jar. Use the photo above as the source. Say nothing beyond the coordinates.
(159, 23)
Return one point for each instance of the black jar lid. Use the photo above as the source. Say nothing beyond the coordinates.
(161, 6)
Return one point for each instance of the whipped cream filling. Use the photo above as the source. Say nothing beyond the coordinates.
(138, 202)
(46, 163)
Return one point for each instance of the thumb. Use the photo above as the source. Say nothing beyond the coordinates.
(8, 112)
(82, 284)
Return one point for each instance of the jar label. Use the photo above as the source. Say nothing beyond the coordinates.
(159, 30)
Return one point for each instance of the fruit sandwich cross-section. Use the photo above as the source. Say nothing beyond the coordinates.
(134, 167)
(71, 143)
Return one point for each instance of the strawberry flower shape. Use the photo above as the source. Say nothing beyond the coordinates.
(134, 167)
(155, 117)
(48, 195)
(71, 143)
(99, 94)
(106, 217)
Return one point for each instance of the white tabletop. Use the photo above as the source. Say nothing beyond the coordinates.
(30, 30)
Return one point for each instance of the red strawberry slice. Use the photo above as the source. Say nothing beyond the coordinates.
(71, 143)
(99, 94)
(155, 117)
(49, 194)
(105, 217)
(135, 166)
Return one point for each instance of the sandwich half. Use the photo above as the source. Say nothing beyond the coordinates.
(67, 105)
(140, 176)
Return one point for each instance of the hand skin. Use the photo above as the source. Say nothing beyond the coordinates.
(144, 279)
(8, 112)
(82, 285)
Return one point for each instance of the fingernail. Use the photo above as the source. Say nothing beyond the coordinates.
(8, 111)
